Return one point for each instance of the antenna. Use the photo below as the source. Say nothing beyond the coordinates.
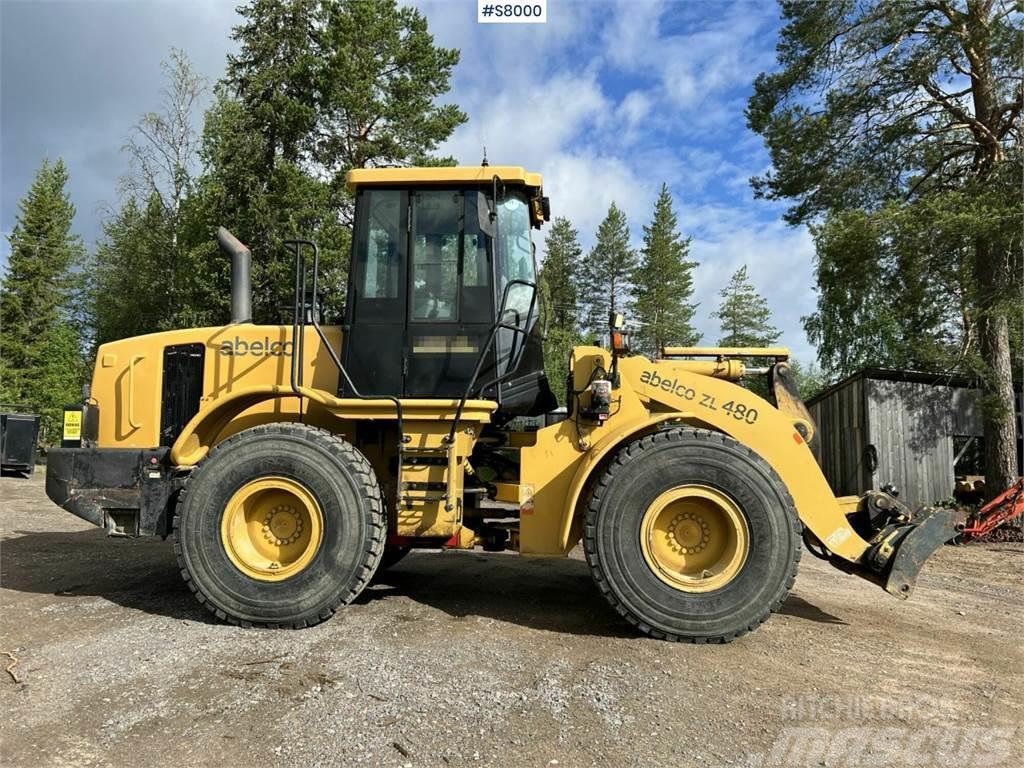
(484, 162)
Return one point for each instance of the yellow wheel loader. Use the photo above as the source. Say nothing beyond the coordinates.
(290, 462)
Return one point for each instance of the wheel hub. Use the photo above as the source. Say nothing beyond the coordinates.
(282, 525)
(688, 533)
(272, 528)
(694, 538)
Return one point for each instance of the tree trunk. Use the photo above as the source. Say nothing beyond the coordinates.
(991, 268)
(998, 418)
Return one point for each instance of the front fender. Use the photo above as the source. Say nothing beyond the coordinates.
(595, 457)
(666, 385)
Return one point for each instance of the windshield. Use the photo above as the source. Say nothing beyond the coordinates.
(515, 254)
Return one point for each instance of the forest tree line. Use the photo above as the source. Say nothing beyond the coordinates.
(893, 127)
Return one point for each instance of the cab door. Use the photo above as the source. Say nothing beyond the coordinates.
(450, 293)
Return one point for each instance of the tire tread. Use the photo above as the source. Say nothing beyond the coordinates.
(376, 521)
(590, 530)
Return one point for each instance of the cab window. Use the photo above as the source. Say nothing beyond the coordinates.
(380, 253)
(436, 227)
(515, 254)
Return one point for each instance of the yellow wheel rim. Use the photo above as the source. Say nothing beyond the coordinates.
(694, 538)
(272, 528)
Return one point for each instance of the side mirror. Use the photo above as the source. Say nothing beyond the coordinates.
(540, 211)
(485, 215)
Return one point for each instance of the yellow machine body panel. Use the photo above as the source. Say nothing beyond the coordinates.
(246, 375)
(127, 381)
(463, 174)
(247, 382)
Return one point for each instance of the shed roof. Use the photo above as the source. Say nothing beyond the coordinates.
(958, 380)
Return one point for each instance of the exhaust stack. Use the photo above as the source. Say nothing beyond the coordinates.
(241, 275)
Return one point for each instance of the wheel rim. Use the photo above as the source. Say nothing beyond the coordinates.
(272, 528)
(695, 538)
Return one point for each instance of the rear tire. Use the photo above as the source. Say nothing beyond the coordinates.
(740, 585)
(267, 571)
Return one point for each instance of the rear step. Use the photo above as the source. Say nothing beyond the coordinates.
(421, 460)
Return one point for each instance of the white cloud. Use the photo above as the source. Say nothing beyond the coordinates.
(633, 109)
(544, 98)
(583, 187)
(630, 31)
(692, 66)
(521, 125)
(780, 263)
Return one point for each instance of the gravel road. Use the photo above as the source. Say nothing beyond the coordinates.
(466, 658)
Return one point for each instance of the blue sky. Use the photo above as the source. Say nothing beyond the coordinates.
(608, 100)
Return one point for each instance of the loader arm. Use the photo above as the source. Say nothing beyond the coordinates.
(652, 394)
(889, 553)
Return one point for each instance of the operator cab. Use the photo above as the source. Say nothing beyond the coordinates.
(437, 255)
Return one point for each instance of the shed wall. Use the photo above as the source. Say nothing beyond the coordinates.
(841, 423)
(912, 426)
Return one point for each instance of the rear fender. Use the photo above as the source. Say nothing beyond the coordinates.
(214, 422)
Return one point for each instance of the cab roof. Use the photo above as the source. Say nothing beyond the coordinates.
(460, 174)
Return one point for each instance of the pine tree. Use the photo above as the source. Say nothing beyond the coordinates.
(663, 283)
(379, 87)
(130, 276)
(40, 347)
(560, 274)
(559, 279)
(885, 111)
(341, 85)
(274, 75)
(744, 315)
(746, 322)
(608, 272)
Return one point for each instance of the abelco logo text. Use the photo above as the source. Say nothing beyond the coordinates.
(652, 379)
(240, 347)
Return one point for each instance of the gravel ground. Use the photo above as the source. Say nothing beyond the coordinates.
(465, 658)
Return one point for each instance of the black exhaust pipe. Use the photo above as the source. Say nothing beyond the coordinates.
(241, 275)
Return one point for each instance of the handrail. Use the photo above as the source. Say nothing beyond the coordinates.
(498, 325)
(299, 334)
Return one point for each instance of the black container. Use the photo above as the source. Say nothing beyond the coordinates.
(19, 436)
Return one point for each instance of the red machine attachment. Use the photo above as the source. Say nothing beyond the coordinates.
(1006, 506)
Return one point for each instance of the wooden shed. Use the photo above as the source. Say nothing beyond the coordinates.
(918, 431)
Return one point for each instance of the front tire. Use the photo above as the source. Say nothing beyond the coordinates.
(279, 526)
(692, 536)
